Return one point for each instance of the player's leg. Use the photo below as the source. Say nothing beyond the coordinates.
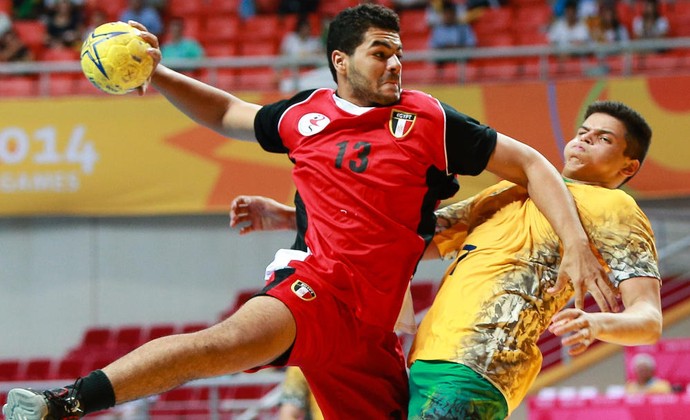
(443, 390)
(259, 332)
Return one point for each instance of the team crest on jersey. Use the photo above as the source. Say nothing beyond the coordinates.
(312, 123)
(303, 290)
(401, 123)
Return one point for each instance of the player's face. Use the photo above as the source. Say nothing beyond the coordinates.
(372, 72)
(596, 154)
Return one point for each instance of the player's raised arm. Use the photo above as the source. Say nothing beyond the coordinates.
(209, 106)
(525, 166)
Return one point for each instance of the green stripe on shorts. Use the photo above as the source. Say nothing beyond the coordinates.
(447, 390)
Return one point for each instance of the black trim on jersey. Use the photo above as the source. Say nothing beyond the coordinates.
(441, 186)
(266, 122)
(469, 144)
(301, 221)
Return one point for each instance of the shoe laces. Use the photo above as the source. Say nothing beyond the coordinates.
(64, 402)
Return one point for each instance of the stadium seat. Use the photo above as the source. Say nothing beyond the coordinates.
(129, 336)
(112, 8)
(157, 331)
(418, 42)
(185, 8)
(413, 23)
(69, 369)
(37, 369)
(193, 327)
(23, 86)
(221, 7)
(62, 84)
(258, 47)
(9, 370)
(221, 28)
(96, 337)
(6, 7)
(33, 33)
(220, 49)
(59, 54)
(262, 28)
(493, 20)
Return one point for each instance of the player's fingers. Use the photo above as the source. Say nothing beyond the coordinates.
(610, 295)
(600, 299)
(560, 284)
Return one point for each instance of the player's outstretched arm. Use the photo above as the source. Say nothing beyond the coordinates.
(639, 323)
(211, 107)
(521, 164)
(257, 213)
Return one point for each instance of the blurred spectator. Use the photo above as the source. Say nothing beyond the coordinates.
(50, 4)
(570, 29)
(64, 25)
(26, 9)
(399, 5)
(146, 15)
(449, 28)
(300, 43)
(178, 45)
(296, 400)
(644, 369)
(12, 48)
(608, 28)
(650, 23)
(247, 8)
(301, 7)
(96, 18)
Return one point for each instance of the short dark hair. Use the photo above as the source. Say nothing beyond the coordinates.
(346, 31)
(638, 134)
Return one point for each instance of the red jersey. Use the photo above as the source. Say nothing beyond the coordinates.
(369, 180)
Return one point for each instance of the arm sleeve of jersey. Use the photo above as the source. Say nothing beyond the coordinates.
(628, 245)
(469, 144)
(267, 120)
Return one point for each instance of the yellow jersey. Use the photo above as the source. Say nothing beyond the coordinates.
(492, 305)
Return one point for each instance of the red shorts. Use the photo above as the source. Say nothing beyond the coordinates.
(355, 370)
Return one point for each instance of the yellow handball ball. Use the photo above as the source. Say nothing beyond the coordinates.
(114, 58)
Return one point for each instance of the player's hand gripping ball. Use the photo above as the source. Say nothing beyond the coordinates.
(114, 58)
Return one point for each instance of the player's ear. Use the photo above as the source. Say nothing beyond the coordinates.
(339, 59)
(631, 168)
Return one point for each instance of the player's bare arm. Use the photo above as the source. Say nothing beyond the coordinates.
(209, 106)
(639, 323)
(521, 164)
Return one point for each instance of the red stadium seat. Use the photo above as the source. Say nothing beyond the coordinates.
(69, 369)
(6, 7)
(33, 33)
(97, 337)
(493, 21)
(185, 8)
(225, 7)
(128, 336)
(37, 369)
(24, 86)
(222, 28)
(9, 370)
(413, 23)
(61, 84)
(59, 54)
(157, 331)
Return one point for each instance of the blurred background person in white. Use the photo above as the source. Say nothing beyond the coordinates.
(645, 381)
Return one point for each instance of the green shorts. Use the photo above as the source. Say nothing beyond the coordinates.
(447, 390)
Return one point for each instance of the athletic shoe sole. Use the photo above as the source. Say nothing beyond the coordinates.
(24, 404)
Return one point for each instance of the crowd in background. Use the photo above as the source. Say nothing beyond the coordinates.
(434, 25)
